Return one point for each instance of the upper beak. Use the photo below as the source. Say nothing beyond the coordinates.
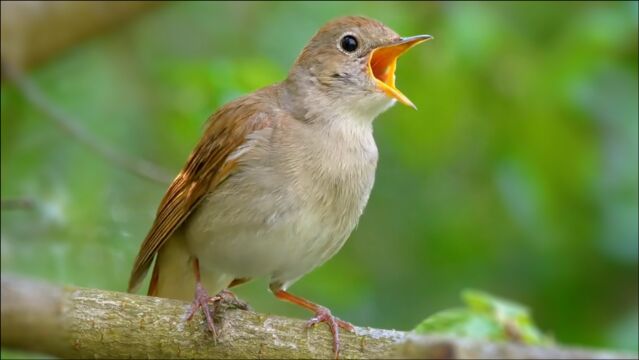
(383, 61)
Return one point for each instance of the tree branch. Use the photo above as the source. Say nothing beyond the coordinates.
(17, 204)
(73, 322)
(34, 31)
(139, 167)
(81, 323)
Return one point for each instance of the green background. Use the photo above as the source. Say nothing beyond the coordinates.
(517, 176)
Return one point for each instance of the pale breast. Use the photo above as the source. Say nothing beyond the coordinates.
(334, 173)
(290, 206)
(334, 178)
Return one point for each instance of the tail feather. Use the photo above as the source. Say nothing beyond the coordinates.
(173, 276)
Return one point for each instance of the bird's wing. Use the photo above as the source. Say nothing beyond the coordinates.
(210, 163)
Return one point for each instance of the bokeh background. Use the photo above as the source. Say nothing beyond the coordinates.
(517, 176)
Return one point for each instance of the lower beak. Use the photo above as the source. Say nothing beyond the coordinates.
(383, 61)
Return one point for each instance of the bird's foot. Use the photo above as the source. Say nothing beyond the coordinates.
(323, 314)
(228, 297)
(202, 301)
(211, 304)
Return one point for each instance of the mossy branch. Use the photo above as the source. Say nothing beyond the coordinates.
(74, 322)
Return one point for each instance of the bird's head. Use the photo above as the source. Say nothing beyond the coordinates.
(350, 64)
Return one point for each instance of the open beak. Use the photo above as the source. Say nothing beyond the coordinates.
(382, 63)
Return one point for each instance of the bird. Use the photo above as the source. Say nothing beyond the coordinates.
(280, 177)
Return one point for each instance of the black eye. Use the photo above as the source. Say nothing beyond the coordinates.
(348, 43)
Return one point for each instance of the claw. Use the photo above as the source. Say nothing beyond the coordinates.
(323, 314)
(211, 304)
(201, 301)
(228, 297)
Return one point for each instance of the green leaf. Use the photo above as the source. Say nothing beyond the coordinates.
(461, 322)
(485, 317)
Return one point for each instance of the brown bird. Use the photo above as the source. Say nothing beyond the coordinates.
(280, 177)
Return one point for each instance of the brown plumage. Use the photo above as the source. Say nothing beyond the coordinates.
(206, 167)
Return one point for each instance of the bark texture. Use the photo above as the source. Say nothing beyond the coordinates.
(74, 322)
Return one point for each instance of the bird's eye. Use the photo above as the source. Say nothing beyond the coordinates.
(349, 43)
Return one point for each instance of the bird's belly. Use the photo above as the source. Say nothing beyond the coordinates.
(263, 233)
(283, 251)
(281, 216)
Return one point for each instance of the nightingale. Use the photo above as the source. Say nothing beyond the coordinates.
(280, 177)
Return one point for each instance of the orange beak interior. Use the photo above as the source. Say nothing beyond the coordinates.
(383, 61)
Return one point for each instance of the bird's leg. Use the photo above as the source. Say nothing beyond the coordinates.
(210, 304)
(202, 300)
(322, 314)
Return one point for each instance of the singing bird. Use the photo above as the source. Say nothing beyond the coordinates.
(280, 177)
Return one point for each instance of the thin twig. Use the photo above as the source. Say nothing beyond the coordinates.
(17, 204)
(136, 166)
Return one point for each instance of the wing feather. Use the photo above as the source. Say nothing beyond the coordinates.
(207, 167)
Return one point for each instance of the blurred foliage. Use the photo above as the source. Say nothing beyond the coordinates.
(518, 175)
(485, 317)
